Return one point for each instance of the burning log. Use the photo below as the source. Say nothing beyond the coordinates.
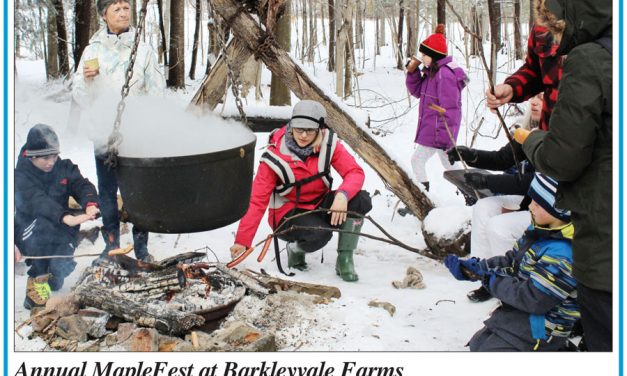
(155, 316)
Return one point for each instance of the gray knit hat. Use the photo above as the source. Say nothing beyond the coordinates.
(308, 114)
(41, 141)
(104, 4)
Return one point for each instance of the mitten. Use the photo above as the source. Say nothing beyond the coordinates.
(468, 154)
(476, 180)
(475, 267)
(453, 263)
(520, 135)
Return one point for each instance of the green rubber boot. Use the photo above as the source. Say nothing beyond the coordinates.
(296, 257)
(346, 244)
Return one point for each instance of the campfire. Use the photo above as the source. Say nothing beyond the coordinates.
(125, 304)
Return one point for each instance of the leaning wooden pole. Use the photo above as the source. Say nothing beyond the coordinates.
(247, 30)
(214, 85)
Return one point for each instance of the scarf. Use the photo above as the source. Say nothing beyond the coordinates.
(291, 144)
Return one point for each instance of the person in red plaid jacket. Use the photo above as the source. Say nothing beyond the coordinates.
(541, 72)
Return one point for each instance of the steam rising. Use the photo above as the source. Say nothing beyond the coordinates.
(156, 128)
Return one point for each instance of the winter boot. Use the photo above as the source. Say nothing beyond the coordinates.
(479, 295)
(346, 244)
(37, 292)
(112, 241)
(296, 257)
(55, 283)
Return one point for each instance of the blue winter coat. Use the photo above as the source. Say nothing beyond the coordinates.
(534, 282)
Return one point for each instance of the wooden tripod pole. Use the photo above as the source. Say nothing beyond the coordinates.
(441, 111)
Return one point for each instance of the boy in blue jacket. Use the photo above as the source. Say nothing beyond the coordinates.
(534, 281)
(44, 225)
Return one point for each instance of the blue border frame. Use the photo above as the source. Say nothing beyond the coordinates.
(620, 189)
(5, 200)
(5, 167)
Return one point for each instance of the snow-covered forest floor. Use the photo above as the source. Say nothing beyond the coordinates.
(437, 318)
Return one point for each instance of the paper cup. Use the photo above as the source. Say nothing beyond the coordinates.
(92, 63)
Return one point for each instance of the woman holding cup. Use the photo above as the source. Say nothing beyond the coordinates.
(101, 70)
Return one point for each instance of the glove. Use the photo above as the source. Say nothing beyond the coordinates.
(453, 263)
(476, 180)
(476, 268)
(468, 154)
(520, 135)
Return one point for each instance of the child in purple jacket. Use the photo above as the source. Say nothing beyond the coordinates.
(439, 82)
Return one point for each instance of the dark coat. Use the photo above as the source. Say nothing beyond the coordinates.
(41, 194)
(577, 149)
(501, 160)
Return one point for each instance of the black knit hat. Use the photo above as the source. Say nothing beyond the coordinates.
(41, 141)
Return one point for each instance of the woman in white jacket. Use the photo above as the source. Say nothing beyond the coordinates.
(102, 71)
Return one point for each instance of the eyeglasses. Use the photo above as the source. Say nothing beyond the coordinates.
(309, 131)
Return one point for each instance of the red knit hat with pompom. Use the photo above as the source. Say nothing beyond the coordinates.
(435, 45)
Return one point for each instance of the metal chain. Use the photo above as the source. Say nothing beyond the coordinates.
(233, 77)
(115, 138)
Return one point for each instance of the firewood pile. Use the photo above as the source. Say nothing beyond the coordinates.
(123, 304)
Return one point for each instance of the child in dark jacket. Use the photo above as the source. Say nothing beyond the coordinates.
(44, 225)
(534, 281)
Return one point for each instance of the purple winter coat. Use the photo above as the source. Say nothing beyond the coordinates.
(444, 90)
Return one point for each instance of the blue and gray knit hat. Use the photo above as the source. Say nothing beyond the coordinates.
(542, 190)
(41, 141)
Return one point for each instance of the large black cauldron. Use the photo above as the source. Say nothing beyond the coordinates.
(189, 193)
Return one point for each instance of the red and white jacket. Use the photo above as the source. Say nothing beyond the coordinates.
(266, 180)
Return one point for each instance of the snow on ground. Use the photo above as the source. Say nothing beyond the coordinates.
(437, 318)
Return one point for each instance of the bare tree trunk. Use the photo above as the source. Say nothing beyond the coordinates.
(305, 40)
(531, 16)
(332, 31)
(52, 55)
(399, 35)
(133, 5)
(340, 49)
(94, 20)
(495, 34)
(412, 30)
(377, 33)
(82, 17)
(279, 93)
(16, 24)
(163, 50)
(192, 68)
(476, 28)
(313, 37)
(441, 12)
(323, 28)
(176, 74)
(349, 62)
(64, 62)
(517, 36)
(359, 19)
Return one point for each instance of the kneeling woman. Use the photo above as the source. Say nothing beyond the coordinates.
(295, 177)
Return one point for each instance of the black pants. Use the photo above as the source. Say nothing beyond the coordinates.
(42, 237)
(596, 317)
(312, 240)
(108, 200)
